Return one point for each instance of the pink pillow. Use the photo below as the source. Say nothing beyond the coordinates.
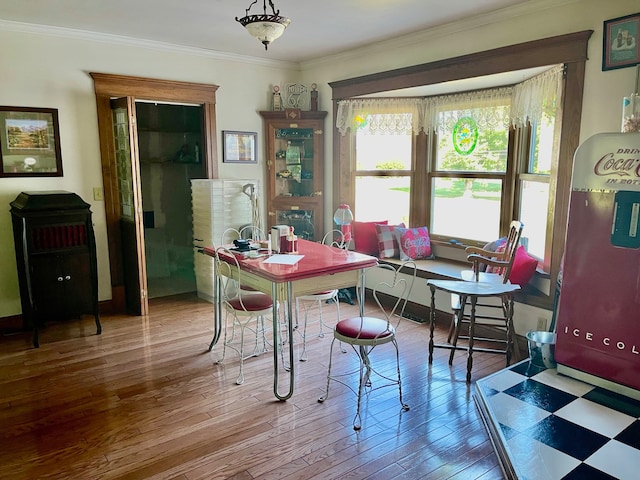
(413, 243)
(524, 267)
(364, 237)
(492, 269)
(387, 243)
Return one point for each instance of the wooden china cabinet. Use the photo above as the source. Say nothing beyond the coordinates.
(294, 142)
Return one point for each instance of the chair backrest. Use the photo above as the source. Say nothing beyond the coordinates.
(227, 271)
(391, 291)
(248, 232)
(334, 238)
(252, 232)
(501, 261)
(229, 235)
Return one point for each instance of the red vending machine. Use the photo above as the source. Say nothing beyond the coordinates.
(598, 325)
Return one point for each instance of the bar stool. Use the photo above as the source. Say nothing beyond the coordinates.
(471, 292)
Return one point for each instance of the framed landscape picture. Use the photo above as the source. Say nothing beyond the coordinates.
(29, 142)
(239, 147)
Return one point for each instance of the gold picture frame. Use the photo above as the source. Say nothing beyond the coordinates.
(29, 142)
(239, 147)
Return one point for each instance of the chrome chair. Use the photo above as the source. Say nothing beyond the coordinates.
(333, 238)
(365, 333)
(247, 232)
(241, 308)
(488, 268)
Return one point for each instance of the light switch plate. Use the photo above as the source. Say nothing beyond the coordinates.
(98, 194)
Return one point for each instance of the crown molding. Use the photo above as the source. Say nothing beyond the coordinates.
(20, 27)
(452, 28)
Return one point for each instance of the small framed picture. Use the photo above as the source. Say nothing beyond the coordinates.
(29, 142)
(239, 147)
(620, 42)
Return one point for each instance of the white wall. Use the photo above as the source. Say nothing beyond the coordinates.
(41, 70)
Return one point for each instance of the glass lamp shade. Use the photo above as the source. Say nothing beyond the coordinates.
(265, 30)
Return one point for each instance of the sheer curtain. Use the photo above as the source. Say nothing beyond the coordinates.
(526, 101)
(537, 96)
(382, 115)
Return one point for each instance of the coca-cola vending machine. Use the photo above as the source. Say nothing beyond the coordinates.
(598, 326)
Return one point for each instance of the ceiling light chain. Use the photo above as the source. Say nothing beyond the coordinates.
(265, 27)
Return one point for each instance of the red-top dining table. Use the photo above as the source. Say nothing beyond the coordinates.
(321, 268)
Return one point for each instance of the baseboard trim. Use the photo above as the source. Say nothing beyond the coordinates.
(14, 323)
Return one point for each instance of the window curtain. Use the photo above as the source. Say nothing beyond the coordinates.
(488, 108)
(380, 115)
(527, 101)
(538, 96)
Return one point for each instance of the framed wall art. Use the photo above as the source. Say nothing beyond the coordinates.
(239, 147)
(620, 42)
(29, 142)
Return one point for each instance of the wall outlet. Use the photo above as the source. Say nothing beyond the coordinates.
(542, 324)
(98, 194)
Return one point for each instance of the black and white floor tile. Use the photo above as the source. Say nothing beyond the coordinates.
(555, 427)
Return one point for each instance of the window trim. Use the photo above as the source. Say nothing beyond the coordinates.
(569, 49)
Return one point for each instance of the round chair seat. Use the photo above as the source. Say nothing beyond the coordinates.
(365, 328)
(327, 295)
(252, 303)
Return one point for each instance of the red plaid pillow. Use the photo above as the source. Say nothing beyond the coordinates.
(387, 242)
(491, 269)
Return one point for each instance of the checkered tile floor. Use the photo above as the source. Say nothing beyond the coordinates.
(550, 426)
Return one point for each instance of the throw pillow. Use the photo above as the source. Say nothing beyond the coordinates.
(524, 267)
(492, 269)
(387, 243)
(414, 243)
(365, 238)
(493, 247)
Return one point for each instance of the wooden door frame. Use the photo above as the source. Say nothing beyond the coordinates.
(109, 86)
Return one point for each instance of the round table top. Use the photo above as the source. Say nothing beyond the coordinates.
(478, 289)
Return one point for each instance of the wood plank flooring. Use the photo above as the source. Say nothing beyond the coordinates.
(146, 400)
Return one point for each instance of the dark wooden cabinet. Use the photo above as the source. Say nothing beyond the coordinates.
(294, 146)
(56, 258)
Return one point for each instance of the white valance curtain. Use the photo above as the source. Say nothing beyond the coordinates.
(381, 115)
(490, 108)
(536, 96)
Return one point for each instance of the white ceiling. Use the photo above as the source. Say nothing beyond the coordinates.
(317, 28)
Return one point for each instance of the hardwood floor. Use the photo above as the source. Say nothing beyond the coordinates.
(146, 400)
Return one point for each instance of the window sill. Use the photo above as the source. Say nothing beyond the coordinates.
(447, 269)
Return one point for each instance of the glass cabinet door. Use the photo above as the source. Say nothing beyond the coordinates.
(302, 222)
(294, 159)
(294, 162)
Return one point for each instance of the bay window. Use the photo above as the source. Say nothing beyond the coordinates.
(526, 183)
(383, 153)
(487, 159)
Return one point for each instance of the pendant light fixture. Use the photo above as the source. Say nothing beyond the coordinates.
(265, 27)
